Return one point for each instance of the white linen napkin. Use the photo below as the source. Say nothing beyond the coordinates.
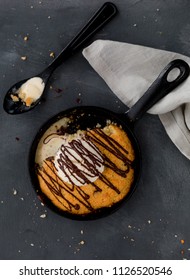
(130, 69)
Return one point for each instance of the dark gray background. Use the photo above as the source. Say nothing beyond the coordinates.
(152, 224)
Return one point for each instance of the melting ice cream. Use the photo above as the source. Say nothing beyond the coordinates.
(79, 161)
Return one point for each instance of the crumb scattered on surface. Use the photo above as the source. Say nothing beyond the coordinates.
(23, 58)
(15, 192)
(81, 242)
(182, 241)
(58, 90)
(149, 222)
(78, 100)
(25, 38)
(52, 54)
(43, 216)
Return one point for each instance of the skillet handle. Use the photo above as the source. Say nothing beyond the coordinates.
(159, 88)
(98, 20)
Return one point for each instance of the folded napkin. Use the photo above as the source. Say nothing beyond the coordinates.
(130, 69)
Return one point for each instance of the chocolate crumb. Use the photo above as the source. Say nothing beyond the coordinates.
(78, 100)
(58, 90)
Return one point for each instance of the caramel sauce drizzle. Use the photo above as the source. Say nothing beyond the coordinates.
(90, 161)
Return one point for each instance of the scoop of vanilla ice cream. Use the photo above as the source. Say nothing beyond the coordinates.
(80, 163)
(31, 90)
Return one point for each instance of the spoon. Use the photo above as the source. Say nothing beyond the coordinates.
(13, 103)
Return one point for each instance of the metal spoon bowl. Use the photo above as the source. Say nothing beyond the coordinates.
(100, 18)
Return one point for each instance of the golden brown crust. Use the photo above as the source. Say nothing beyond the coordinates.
(85, 199)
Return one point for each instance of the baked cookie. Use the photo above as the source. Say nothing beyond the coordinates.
(84, 172)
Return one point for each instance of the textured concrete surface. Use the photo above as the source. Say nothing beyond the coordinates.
(153, 222)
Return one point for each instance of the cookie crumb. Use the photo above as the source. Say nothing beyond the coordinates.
(81, 242)
(182, 241)
(23, 58)
(52, 54)
(15, 192)
(43, 216)
(14, 98)
(25, 38)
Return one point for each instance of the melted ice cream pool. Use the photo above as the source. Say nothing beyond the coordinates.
(31, 90)
(79, 161)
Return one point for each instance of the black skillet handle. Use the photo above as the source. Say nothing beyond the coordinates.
(100, 18)
(160, 87)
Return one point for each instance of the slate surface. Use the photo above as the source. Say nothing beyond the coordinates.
(153, 223)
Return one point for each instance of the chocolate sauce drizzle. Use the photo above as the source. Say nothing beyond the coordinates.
(90, 161)
(60, 132)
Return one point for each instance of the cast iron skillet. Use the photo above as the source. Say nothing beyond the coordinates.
(88, 116)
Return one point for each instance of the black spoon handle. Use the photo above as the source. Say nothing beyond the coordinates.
(160, 87)
(100, 18)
